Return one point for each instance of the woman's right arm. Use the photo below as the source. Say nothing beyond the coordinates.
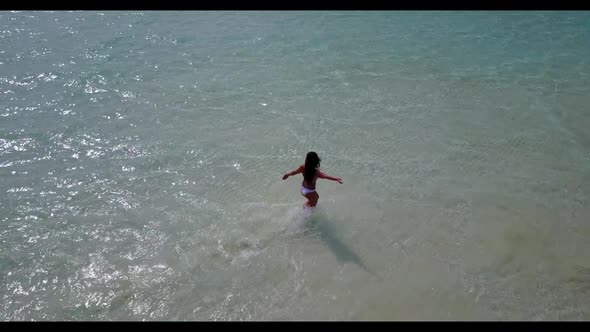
(326, 176)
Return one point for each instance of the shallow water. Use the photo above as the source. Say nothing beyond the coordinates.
(141, 156)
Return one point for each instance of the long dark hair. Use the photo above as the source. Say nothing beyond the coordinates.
(312, 164)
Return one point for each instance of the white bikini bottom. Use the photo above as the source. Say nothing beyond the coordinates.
(305, 191)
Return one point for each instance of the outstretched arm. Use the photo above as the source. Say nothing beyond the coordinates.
(297, 171)
(326, 176)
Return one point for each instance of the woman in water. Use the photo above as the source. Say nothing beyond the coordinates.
(311, 172)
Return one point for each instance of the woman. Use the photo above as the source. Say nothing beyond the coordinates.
(311, 172)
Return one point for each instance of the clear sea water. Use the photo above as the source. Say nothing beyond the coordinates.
(141, 156)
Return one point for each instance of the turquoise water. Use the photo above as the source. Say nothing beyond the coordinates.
(141, 156)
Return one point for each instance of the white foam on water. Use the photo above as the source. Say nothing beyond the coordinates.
(279, 219)
(296, 219)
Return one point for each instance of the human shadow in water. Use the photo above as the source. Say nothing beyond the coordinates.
(318, 225)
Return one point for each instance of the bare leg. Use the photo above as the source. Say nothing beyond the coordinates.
(312, 199)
